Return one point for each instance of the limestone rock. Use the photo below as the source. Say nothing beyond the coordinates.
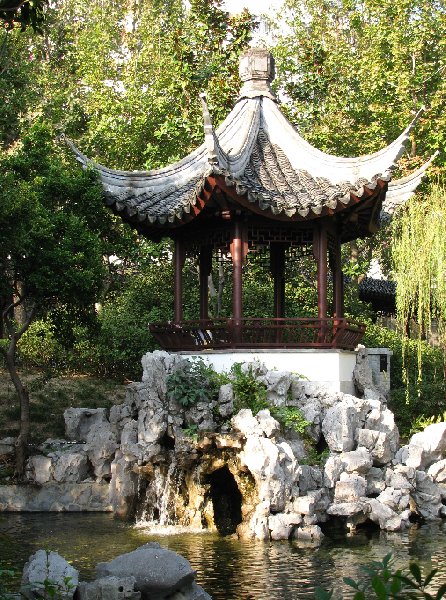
(277, 385)
(109, 588)
(282, 525)
(384, 516)
(401, 477)
(311, 412)
(226, 401)
(333, 468)
(339, 427)
(311, 533)
(427, 447)
(158, 572)
(70, 467)
(309, 477)
(123, 486)
(362, 373)
(268, 425)
(348, 509)
(152, 418)
(245, 422)
(52, 567)
(356, 461)
(382, 419)
(39, 469)
(375, 481)
(56, 497)
(396, 499)
(79, 422)
(261, 456)
(427, 496)
(380, 446)
(7, 446)
(101, 445)
(438, 471)
(350, 488)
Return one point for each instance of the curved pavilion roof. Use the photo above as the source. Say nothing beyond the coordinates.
(261, 158)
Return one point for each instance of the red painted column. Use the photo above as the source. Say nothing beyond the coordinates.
(338, 283)
(178, 260)
(205, 271)
(321, 252)
(237, 252)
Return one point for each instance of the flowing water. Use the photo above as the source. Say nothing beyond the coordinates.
(227, 568)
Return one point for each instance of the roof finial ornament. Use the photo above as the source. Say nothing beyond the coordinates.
(209, 134)
(257, 71)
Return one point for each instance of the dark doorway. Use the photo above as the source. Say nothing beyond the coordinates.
(226, 499)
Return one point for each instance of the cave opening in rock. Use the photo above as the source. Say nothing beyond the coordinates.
(226, 500)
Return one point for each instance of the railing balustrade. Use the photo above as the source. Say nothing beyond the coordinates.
(223, 333)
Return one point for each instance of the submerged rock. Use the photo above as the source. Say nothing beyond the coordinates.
(158, 573)
(48, 571)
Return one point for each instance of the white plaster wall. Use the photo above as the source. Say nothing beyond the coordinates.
(331, 369)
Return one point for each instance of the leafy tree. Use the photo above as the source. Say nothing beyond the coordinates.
(50, 258)
(23, 13)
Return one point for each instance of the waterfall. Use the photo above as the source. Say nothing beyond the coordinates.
(160, 509)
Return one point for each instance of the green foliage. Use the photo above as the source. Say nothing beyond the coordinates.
(24, 14)
(422, 422)
(249, 392)
(313, 457)
(191, 431)
(6, 575)
(384, 582)
(411, 398)
(192, 382)
(290, 417)
(39, 345)
(419, 258)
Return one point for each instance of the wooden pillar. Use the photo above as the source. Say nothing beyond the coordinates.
(320, 253)
(238, 250)
(178, 259)
(205, 271)
(338, 283)
(277, 268)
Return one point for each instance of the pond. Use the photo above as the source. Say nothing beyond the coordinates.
(227, 568)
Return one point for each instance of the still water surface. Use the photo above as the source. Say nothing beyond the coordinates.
(227, 568)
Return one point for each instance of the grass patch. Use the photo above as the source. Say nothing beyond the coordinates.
(49, 398)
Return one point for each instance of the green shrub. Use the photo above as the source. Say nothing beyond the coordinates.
(384, 583)
(39, 346)
(248, 391)
(290, 417)
(193, 382)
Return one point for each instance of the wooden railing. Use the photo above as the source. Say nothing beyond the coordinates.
(258, 333)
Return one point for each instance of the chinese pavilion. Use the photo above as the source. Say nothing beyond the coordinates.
(256, 183)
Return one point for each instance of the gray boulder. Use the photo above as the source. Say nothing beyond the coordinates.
(427, 447)
(350, 488)
(339, 427)
(438, 471)
(80, 421)
(159, 573)
(109, 588)
(53, 569)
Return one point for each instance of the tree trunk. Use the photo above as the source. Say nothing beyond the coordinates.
(23, 439)
(9, 353)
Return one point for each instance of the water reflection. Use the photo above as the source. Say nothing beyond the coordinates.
(226, 567)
